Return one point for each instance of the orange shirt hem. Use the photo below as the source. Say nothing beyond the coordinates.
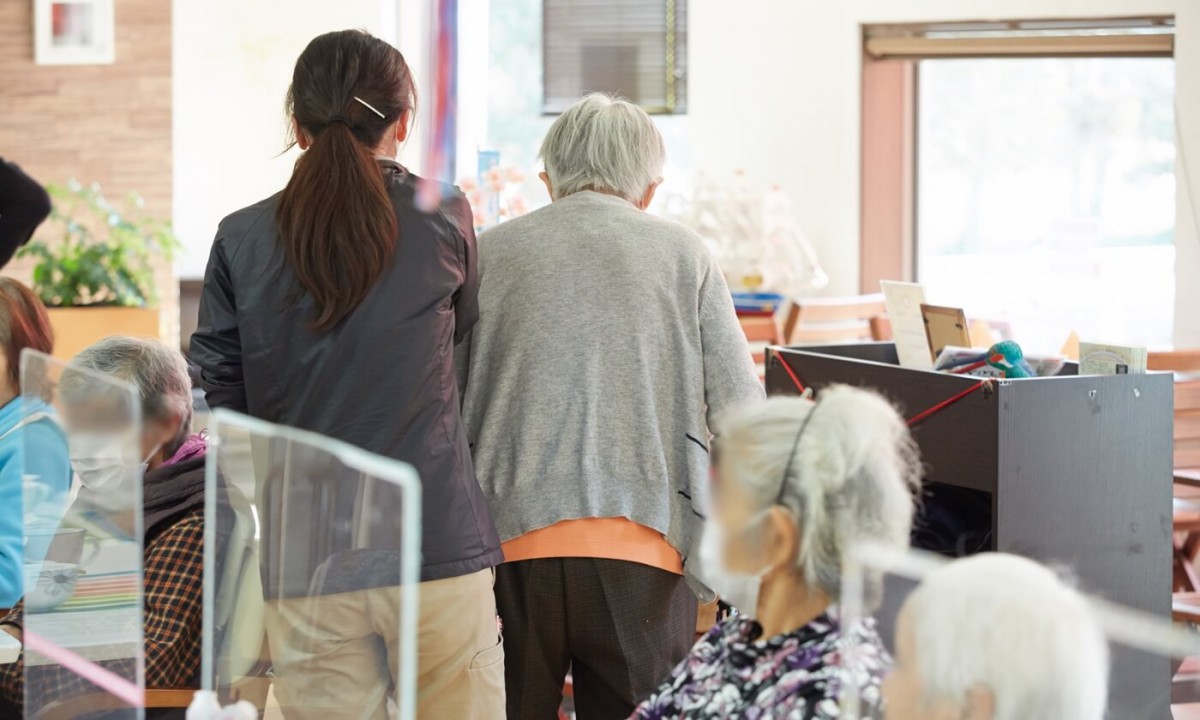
(614, 538)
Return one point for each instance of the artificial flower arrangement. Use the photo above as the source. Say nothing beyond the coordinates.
(495, 196)
(753, 234)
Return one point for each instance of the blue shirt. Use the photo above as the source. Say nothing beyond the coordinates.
(39, 450)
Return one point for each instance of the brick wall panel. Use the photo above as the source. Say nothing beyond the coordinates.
(105, 123)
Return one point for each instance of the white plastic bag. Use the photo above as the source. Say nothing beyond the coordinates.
(205, 706)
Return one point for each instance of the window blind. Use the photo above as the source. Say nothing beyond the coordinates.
(633, 48)
(1128, 37)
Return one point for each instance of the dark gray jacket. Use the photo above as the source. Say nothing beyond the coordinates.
(383, 379)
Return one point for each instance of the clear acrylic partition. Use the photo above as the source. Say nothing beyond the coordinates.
(82, 487)
(311, 574)
(1148, 655)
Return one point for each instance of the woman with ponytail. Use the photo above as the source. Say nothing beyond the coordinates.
(334, 306)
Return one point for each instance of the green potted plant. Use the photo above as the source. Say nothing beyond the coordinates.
(94, 266)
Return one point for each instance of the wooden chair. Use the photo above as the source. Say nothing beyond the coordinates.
(1186, 366)
(1182, 361)
(761, 331)
(832, 320)
(1186, 510)
(1186, 545)
(1185, 608)
(1185, 677)
(881, 328)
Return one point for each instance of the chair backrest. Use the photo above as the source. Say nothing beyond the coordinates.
(832, 320)
(762, 331)
(239, 608)
(1186, 366)
(881, 328)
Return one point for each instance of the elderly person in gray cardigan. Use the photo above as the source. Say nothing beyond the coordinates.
(607, 347)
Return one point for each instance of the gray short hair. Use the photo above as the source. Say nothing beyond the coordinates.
(158, 373)
(605, 144)
(852, 479)
(1007, 624)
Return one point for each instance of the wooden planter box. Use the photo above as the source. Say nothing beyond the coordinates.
(77, 328)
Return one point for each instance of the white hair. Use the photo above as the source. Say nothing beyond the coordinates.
(158, 373)
(1007, 624)
(605, 144)
(852, 479)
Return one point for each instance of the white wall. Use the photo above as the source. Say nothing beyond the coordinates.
(774, 88)
(233, 61)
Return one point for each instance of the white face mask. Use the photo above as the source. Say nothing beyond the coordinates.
(737, 589)
(101, 459)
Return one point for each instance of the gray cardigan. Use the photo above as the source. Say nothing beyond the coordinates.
(606, 350)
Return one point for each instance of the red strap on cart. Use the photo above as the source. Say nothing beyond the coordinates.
(915, 419)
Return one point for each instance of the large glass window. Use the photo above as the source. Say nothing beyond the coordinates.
(516, 123)
(1046, 195)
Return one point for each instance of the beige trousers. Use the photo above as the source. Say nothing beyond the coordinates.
(335, 657)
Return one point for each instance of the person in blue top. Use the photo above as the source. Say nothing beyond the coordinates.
(33, 448)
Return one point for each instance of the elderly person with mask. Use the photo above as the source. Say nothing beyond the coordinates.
(997, 637)
(797, 484)
(607, 344)
(173, 510)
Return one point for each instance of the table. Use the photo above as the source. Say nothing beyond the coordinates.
(99, 625)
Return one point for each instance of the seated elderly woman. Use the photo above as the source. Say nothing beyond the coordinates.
(796, 484)
(173, 503)
(33, 449)
(997, 637)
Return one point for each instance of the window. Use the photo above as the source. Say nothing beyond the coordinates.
(510, 91)
(633, 48)
(1045, 195)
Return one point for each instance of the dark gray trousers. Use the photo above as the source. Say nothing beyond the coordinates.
(619, 627)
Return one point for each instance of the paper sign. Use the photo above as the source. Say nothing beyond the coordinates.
(1096, 359)
(904, 302)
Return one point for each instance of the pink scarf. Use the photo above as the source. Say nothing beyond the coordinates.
(194, 447)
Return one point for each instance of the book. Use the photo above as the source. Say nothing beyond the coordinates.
(1099, 359)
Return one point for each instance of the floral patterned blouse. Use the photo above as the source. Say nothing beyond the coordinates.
(733, 673)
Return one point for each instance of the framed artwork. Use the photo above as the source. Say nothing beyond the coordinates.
(73, 32)
(944, 326)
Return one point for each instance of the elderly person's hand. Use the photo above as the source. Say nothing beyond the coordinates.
(797, 483)
(997, 637)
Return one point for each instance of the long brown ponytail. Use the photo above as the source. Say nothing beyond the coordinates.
(336, 221)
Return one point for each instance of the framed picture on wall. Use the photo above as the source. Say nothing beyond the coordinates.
(73, 32)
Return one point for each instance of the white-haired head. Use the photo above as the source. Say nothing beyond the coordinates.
(1011, 629)
(158, 373)
(605, 144)
(851, 478)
